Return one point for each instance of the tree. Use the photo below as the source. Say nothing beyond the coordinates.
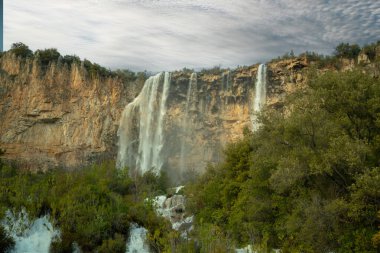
(345, 50)
(21, 50)
(48, 55)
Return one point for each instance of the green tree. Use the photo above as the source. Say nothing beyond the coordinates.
(48, 55)
(345, 50)
(21, 50)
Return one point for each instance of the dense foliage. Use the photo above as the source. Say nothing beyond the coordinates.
(308, 180)
(93, 207)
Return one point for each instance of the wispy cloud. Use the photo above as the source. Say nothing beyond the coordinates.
(171, 34)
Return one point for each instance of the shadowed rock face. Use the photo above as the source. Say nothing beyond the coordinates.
(60, 116)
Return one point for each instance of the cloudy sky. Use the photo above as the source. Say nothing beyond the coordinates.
(171, 34)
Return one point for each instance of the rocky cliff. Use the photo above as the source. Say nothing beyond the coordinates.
(202, 113)
(59, 115)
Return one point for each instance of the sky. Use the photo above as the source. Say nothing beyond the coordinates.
(157, 35)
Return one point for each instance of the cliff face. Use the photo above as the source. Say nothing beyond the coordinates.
(58, 115)
(203, 112)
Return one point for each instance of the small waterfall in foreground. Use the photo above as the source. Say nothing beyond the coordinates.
(30, 237)
(186, 123)
(260, 94)
(137, 240)
(141, 127)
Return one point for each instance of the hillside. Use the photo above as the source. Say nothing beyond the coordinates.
(276, 156)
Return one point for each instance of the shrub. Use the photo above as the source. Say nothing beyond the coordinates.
(370, 51)
(48, 55)
(70, 59)
(6, 242)
(114, 245)
(95, 69)
(345, 50)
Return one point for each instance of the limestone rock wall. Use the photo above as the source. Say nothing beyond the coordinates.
(57, 115)
(60, 116)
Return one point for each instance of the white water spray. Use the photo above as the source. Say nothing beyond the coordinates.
(137, 240)
(141, 135)
(30, 237)
(260, 94)
(247, 249)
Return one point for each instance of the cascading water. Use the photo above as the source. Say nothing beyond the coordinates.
(29, 237)
(141, 127)
(185, 122)
(247, 249)
(260, 94)
(226, 81)
(137, 240)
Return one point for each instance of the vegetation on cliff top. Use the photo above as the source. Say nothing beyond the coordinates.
(51, 55)
(307, 181)
(341, 52)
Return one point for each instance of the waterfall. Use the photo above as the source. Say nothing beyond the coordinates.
(260, 94)
(185, 122)
(247, 249)
(29, 237)
(226, 89)
(226, 81)
(141, 132)
(137, 240)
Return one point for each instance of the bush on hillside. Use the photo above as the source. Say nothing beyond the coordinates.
(47, 55)
(21, 50)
